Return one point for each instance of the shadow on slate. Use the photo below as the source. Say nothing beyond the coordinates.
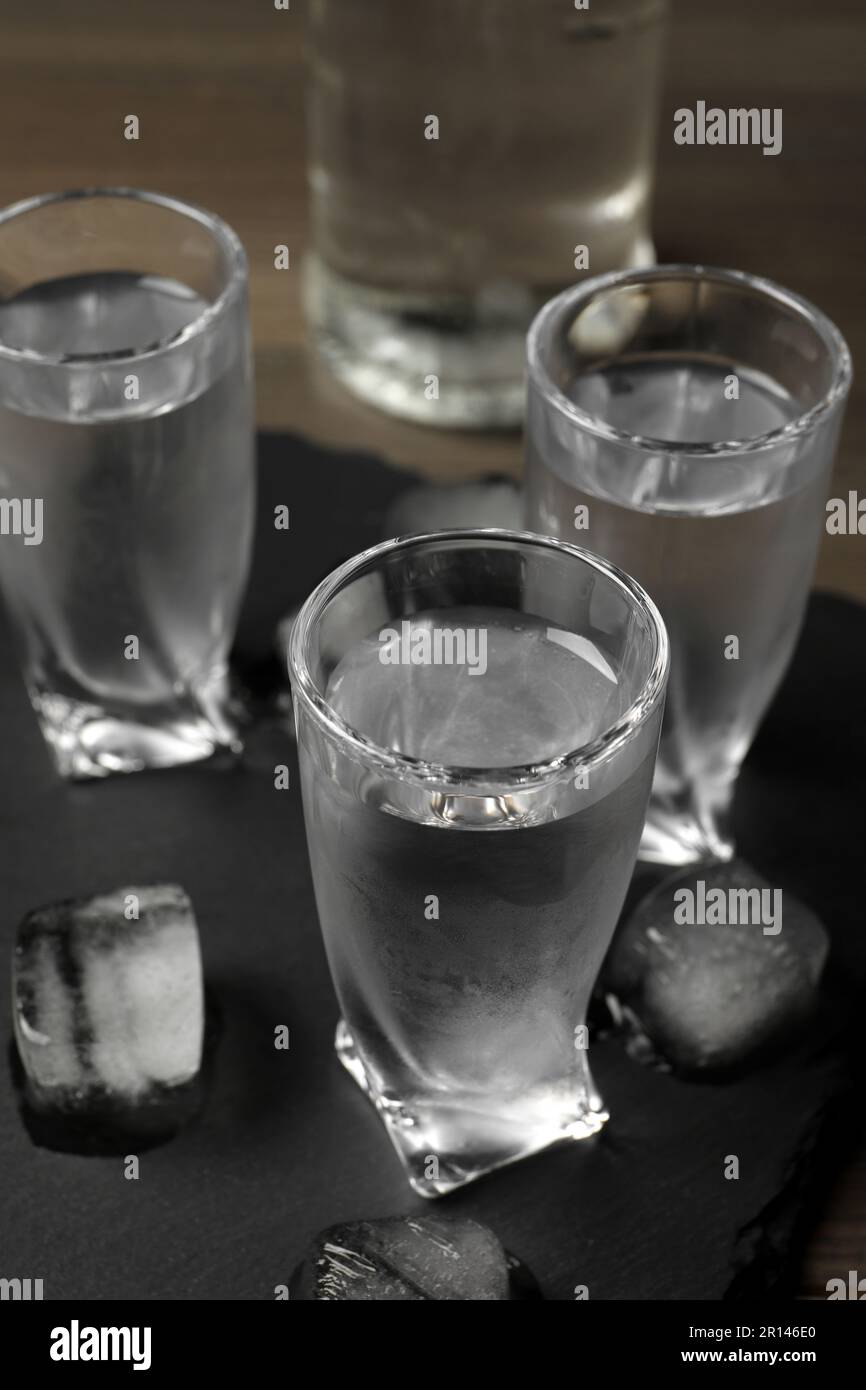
(286, 1145)
(336, 503)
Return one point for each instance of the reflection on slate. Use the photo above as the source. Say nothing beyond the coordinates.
(286, 1145)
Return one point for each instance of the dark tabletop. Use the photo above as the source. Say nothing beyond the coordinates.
(217, 85)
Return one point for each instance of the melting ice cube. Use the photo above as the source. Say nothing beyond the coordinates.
(109, 1013)
(410, 1259)
(711, 993)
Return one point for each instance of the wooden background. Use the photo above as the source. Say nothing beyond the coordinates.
(218, 89)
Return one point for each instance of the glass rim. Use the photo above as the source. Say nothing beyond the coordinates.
(221, 232)
(804, 423)
(417, 770)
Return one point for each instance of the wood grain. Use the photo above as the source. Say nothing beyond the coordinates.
(218, 89)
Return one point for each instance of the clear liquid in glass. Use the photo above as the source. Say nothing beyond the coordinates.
(432, 255)
(147, 520)
(464, 1026)
(726, 551)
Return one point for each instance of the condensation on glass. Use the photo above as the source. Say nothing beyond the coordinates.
(126, 414)
(473, 826)
(683, 423)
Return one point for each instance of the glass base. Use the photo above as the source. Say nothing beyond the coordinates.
(445, 1144)
(387, 347)
(89, 741)
(678, 834)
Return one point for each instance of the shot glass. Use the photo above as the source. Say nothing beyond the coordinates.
(682, 422)
(478, 714)
(465, 157)
(126, 471)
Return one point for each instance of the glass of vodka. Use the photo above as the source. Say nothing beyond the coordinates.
(465, 157)
(126, 442)
(682, 422)
(478, 714)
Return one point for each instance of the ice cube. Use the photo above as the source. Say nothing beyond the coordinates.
(409, 1259)
(109, 1014)
(709, 996)
(439, 507)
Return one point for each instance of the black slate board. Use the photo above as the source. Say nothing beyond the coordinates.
(286, 1144)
